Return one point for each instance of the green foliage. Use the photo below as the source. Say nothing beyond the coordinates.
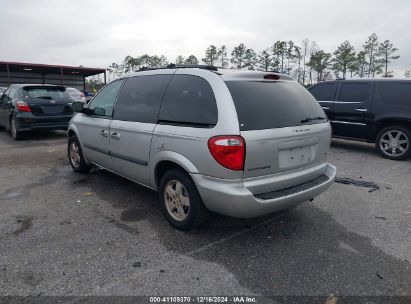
(319, 61)
(222, 56)
(371, 49)
(191, 60)
(250, 59)
(238, 56)
(265, 60)
(94, 84)
(179, 59)
(305, 62)
(344, 56)
(211, 55)
(279, 50)
(386, 50)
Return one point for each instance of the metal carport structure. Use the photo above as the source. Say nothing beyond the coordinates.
(21, 72)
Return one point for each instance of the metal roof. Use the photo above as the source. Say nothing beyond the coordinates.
(48, 68)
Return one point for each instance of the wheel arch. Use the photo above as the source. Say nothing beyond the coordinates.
(165, 161)
(386, 122)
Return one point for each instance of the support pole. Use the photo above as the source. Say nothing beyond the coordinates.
(61, 76)
(8, 74)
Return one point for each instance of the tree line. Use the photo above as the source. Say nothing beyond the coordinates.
(305, 61)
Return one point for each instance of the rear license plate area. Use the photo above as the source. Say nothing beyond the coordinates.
(299, 155)
(52, 109)
(295, 157)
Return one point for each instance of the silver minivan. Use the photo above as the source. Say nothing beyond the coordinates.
(239, 143)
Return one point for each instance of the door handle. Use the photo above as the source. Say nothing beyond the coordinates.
(325, 108)
(361, 110)
(115, 135)
(104, 133)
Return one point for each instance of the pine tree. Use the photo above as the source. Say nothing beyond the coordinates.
(238, 56)
(386, 50)
(265, 60)
(222, 56)
(211, 55)
(344, 56)
(371, 49)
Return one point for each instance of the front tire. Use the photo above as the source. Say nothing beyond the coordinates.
(75, 156)
(180, 201)
(394, 142)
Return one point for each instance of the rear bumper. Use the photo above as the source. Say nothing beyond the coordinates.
(232, 198)
(29, 123)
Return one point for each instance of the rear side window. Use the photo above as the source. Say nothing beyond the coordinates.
(45, 92)
(324, 91)
(140, 98)
(396, 93)
(189, 100)
(354, 92)
(268, 105)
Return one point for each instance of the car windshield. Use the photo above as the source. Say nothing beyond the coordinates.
(45, 92)
(267, 105)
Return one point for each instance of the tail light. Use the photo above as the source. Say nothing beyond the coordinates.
(23, 106)
(228, 151)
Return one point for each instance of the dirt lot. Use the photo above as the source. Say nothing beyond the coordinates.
(63, 233)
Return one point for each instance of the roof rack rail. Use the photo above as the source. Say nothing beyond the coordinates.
(182, 66)
(190, 66)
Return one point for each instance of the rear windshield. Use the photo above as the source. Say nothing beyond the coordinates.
(47, 93)
(73, 91)
(267, 105)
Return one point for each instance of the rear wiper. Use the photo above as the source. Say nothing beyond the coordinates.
(44, 97)
(308, 119)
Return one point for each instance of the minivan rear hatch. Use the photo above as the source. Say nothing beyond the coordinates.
(284, 127)
(47, 100)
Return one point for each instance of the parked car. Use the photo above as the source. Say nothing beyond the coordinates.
(26, 107)
(239, 143)
(76, 95)
(88, 96)
(373, 110)
(2, 89)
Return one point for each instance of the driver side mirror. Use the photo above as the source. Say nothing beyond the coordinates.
(99, 111)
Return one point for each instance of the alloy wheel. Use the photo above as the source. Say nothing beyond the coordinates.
(394, 143)
(177, 200)
(75, 155)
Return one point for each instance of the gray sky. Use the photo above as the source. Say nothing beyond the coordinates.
(96, 33)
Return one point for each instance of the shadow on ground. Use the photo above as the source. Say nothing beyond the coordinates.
(354, 146)
(300, 251)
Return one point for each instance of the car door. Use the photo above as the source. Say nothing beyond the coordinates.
(325, 93)
(135, 117)
(351, 110)
(94, 128)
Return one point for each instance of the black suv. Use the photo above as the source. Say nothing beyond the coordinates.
(26, 107)
(372, 110)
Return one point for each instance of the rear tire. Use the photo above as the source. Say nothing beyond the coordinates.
(15, 134)
(394, 142)
(75, 156)
(180, 201)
